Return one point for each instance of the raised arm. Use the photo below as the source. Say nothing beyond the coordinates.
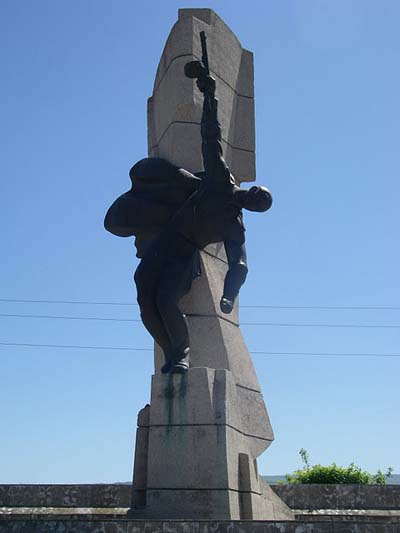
(214, 164)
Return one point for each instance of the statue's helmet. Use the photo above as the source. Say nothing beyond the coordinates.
(258, 199)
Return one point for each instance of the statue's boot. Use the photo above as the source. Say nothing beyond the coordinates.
(226, 305)
(166, 367)
(168, 363)
(181, 362)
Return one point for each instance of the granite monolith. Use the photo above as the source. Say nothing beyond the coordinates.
(199, 438)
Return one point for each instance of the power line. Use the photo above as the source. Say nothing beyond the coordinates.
(265, 324)
(327, 354)
(254, 352)
(316, 307)
(106, 319)
(12, 300)
(328, 307)
(75, 346)
(289, 325)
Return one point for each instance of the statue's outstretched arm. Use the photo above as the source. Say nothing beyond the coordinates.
(214, 164)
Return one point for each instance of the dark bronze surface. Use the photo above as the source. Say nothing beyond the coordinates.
(173, 214)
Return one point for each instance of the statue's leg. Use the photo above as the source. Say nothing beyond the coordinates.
(174, 283)
(146, 279)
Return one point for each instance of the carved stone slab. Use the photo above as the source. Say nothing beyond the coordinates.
(198, 440)
(178, 117)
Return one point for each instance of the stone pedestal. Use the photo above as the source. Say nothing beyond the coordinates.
(198, 440)
(199, 443)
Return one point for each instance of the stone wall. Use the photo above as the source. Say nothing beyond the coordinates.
(103, 508)
(118, 495)
(312, 497)
(101, 495)
(89, 525)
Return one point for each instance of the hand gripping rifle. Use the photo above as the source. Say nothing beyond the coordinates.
(200, 69)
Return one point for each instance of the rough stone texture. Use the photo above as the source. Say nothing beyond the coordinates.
(340, 496)
(207, 428)
(81, 524)
(321, 497)
(202, 447)
(90, 495)
(180, 119)
(141, 458)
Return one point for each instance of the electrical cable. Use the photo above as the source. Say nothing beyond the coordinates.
(320, 307)
(254, 352)
(266, 324)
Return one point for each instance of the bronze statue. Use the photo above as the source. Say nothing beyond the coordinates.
(174, 214)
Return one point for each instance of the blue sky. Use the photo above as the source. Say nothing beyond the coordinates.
(75, 79)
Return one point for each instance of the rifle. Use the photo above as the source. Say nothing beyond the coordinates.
(204, 55)
(199, 69)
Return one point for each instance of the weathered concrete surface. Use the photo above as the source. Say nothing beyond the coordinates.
(201, 450)
(103, 508)
(340, 496)
(97, 524)
(348, 515)
(138, 498)
(179, 118)
(196, 457)
(42, 495)
(318, 497)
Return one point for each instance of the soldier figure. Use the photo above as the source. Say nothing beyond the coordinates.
(182, 219)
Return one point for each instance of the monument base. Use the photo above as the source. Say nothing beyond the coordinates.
(103, 508)
(193, 459)
(211, 504)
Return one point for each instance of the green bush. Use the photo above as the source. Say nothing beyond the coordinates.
(335, 474)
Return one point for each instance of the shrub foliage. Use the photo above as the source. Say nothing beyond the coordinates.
(335, 474)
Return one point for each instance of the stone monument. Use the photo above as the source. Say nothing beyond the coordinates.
(198, 440)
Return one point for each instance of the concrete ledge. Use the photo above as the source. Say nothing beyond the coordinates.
(107, 495)
(99, 525)
(309, 497)
(312, 497)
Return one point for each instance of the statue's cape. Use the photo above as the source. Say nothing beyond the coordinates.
(158, 190)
